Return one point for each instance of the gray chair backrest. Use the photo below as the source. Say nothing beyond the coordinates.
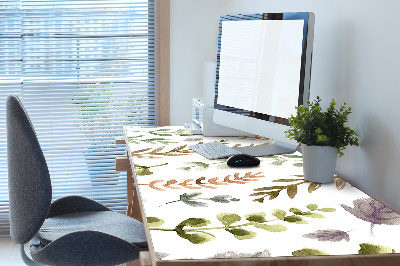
(29, 183)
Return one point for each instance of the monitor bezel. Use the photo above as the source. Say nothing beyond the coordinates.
(305, 69)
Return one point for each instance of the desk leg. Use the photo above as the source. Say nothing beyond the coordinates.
(133, 263)
(133, 211)
(129, 192)
(144, 260)
(132, 198)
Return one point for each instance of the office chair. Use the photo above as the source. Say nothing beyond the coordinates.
(70, 231)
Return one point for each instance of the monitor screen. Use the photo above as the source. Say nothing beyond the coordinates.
(263, 71)
(260, 63)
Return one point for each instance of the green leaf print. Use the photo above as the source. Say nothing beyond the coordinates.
(198, 166)
(228, 218)
(327, 209)
(154, 221)
(308, 252)
(292, 189)
(278, 161)
(194, 229)
(197, 237)
(182, 133)
(294, 219)
(165, 132)
(312, 207)
(313, 215)
(142, 170)
(295, 210)
(292, 156)
(280, 214)
(256, 217)
(271, 227)
(242, 234)
(194, 222)
(366, 248)
(223, 199)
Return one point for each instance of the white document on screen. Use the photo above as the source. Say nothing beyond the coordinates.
(260, 65)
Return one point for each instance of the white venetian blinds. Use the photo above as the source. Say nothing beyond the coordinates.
(83, 69)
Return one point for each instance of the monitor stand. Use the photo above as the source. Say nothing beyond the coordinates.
(266, 150)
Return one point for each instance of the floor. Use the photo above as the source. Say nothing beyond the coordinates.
(9, 253)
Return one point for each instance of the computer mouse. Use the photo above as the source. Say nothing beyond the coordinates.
(242, 160)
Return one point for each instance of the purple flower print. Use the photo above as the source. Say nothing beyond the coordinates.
(160, 255)
(329, 235)
(234, 255)
(371, 210)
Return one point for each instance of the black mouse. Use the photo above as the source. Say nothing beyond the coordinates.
(242, 160)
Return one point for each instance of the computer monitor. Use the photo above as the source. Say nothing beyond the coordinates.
(263, 73)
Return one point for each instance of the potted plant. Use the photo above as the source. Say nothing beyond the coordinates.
(98, 106)
(323, 135)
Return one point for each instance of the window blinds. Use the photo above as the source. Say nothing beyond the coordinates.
(83, 69)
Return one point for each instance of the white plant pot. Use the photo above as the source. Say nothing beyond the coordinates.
(319, 163)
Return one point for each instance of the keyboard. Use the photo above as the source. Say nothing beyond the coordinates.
(214, 150)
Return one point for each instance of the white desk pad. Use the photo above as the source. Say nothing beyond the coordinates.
(198, 208)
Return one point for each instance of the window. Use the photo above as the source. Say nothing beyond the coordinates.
(83, 69)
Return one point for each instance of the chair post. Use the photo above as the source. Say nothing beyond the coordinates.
(26, 259)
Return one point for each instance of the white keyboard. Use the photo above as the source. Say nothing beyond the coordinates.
(214, 150)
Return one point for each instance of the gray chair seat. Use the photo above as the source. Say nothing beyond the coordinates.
(107, 222)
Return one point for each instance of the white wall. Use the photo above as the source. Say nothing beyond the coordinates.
(194, 41)
(356, 60)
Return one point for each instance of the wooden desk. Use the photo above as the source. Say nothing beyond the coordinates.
(201, 212)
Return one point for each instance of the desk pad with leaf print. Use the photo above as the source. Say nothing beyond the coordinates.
(198, 208)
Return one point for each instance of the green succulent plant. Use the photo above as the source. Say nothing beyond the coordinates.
(312, 126)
